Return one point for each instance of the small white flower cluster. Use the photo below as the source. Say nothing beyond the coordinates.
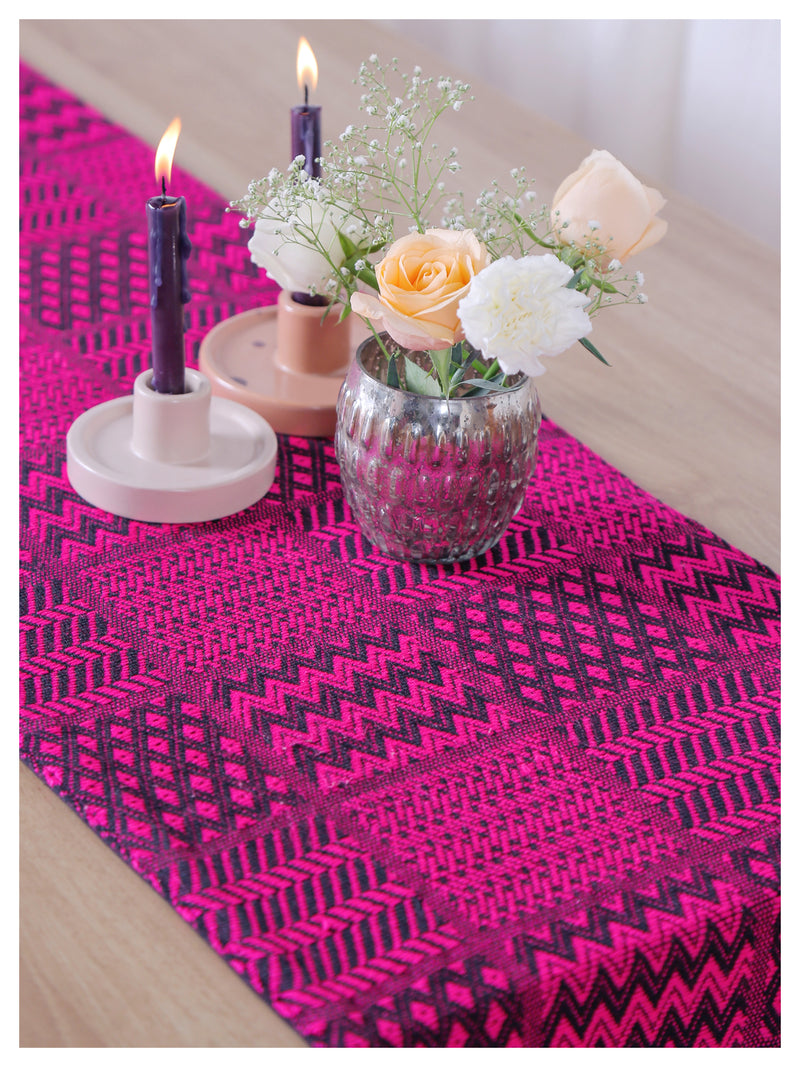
(385, 173)
(544, 274)
(389, 160)
(501, 217)
(302, 229)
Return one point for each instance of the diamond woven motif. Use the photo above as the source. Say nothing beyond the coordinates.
(528, 800)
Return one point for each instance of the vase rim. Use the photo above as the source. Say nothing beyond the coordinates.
(421, 396)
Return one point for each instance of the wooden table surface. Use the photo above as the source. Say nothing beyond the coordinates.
(690, 411)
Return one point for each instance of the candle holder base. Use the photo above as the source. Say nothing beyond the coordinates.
(241, 358)
(163, 458)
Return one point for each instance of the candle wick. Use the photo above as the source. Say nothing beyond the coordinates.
(163, 186)
(305, 93)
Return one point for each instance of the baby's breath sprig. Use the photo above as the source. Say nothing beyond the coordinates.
(387, 173)
(298, 207)
(605, 283)
(384, 173)
(506, 220)
(509, 222)
(389, 163)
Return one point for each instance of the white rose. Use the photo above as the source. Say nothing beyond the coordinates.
(518, 310)
(287, 252)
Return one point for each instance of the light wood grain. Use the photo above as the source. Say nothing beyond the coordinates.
(690, 411)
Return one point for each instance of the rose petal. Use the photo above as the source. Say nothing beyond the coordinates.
(603, 189)
(654, 232)
(409, 333)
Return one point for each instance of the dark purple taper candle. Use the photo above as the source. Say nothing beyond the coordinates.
(306, 126)
(168, 248)
(306, 137)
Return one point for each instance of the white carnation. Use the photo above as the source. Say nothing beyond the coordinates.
(518, 310)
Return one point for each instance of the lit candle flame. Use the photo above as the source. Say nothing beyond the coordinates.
(166, 150)
(306, 66)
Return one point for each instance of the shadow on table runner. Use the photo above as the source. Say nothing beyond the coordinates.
(527, 800)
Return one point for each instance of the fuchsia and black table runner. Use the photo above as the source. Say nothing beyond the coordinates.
(528, 800)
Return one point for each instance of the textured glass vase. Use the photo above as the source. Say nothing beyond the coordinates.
(430, 479)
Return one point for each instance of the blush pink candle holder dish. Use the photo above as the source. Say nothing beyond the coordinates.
(286, 362)
(171, 458)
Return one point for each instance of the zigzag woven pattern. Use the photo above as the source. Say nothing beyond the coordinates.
(529, 800)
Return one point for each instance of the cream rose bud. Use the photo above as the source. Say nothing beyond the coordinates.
(603, 191)
(286, 253)
(421, 281)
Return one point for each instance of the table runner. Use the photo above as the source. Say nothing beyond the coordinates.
(528, 800)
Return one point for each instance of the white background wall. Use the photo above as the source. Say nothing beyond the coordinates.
(693, 104)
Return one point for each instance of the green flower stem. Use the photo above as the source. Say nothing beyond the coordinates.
(440, 358)
(432, 185)
(377, 337)
(526, 229)
(493, 369)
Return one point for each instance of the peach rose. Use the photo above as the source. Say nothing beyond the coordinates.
(421, 281)
(603, 203)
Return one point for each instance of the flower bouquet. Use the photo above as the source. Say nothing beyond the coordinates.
(438, 418)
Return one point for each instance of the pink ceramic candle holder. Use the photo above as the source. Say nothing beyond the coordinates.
(171, 458)
(286, 362)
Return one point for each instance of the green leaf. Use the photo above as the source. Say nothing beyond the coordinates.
(481, 385)
(604, 287)
(575, 280)
(460, 371)
(367, 274)
(420, 381)
(440, 358)
(348, 247)
(590, 348)
(392, 377)
(472, 361)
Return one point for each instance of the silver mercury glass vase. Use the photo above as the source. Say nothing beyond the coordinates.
(430, 479)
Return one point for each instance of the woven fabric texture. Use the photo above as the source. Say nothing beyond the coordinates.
(529, 800)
